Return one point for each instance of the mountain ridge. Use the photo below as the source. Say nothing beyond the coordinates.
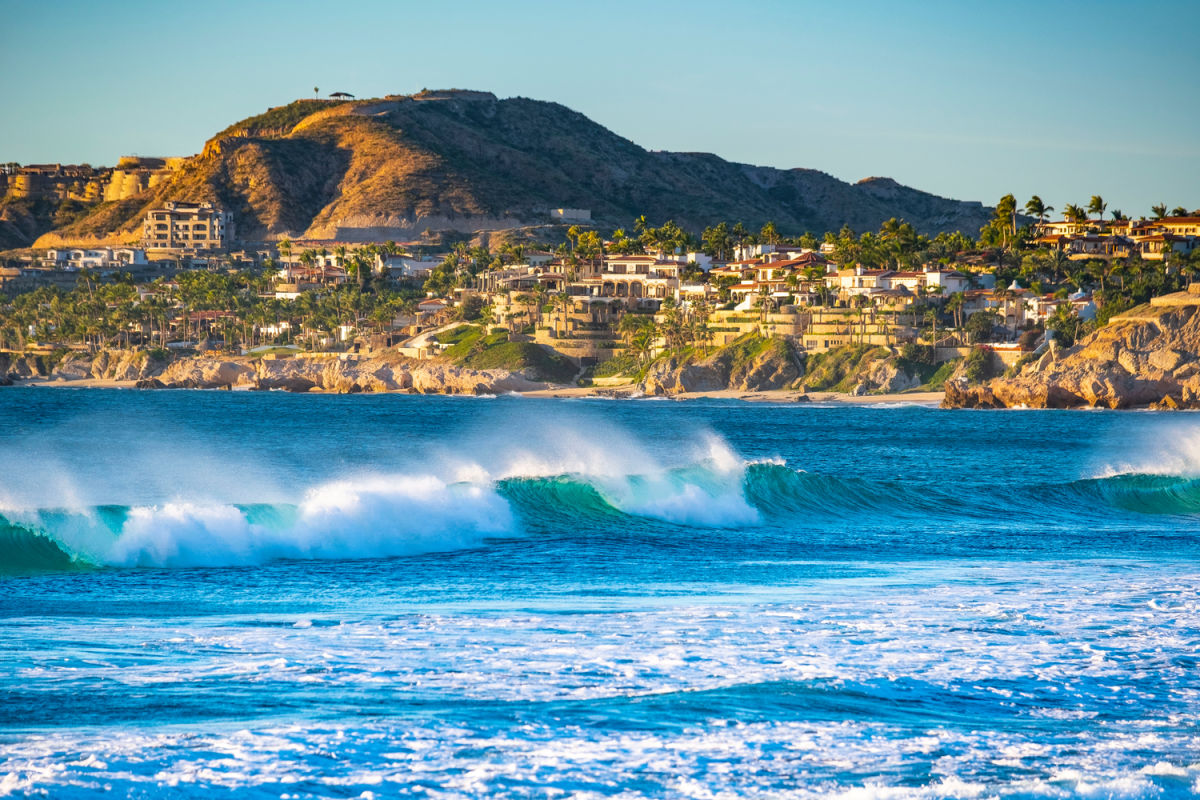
(398, 166)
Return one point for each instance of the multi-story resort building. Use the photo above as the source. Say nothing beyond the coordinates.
(187, 226)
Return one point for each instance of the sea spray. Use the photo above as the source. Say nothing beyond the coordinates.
(373, 515)
(1168, 449)
(378, 517)
(700, 486)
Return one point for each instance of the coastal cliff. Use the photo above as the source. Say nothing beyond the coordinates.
(383, 373)
(1148, 357)
(753, 364)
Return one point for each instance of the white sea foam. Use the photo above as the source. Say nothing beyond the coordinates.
(1027, 631)
(374, 517)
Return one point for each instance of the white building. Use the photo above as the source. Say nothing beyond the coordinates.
(949, 281)
(96, 258)
(406, 266)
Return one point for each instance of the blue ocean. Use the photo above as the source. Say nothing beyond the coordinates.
(235, 594)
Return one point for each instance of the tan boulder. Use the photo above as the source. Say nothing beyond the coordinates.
(1166, 359)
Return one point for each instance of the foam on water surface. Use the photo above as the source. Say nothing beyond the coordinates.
(426, 597)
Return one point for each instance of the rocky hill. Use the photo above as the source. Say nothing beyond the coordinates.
(1147, 357)
(395, 167)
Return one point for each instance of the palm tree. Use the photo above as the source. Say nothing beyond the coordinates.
(769, 233)
(528, 302)
(1075, 213)
(564, 303)
(1036, 208)
(1006, 217)
(1179, 211)
(643, 342)
(1159, 210)
(631, 324)
(539, 296)
(955, 305)
(1097, 206)
(739, 233)
(1057, 263)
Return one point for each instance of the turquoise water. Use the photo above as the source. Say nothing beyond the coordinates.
(268, 595)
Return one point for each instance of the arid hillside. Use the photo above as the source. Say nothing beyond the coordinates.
(467, 161)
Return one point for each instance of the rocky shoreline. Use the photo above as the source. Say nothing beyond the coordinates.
(1145, 358)
(381, 373)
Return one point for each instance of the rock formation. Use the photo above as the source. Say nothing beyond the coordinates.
(1149, 357)
(886, 376)
(752, 366)
(382, 373)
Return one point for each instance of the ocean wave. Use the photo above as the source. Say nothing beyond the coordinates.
(368, 518)
(25, 551)
(1138, 492)
(381, 516)
(781, 491)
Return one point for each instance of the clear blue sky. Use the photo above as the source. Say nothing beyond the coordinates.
(964, 99)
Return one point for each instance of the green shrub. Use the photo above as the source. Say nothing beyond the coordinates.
(469, 347)
(942, 374)
(620, 364)
(980, 365)
(838, 369)
(918, 354)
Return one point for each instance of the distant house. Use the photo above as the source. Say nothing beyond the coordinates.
(1180, 226)
(432, 305)
(406, 267)
(95, 258)
(950, 281)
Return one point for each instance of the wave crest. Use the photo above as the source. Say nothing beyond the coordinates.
(374, 517)
(1140, 493)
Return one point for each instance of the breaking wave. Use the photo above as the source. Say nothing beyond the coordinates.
(1140, 493)
(375, 517)
(381, 515)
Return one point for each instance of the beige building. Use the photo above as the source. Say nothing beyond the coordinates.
(187, 226)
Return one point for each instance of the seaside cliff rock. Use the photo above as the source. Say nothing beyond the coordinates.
(1149, 357)
(750, 366)
(382, 373)
(885, 376)
(387, 373)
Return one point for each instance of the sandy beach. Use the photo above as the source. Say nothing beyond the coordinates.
(622, 391)
(771, 396)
